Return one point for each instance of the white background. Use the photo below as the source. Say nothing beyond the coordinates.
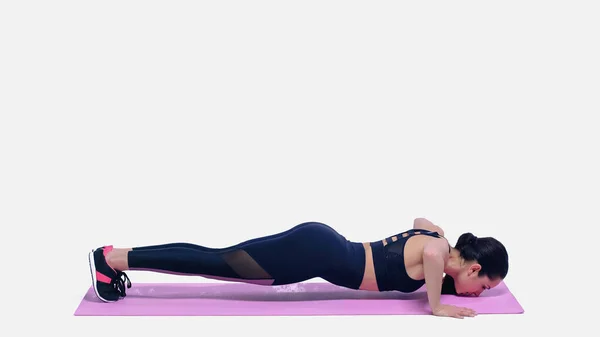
(144, 122)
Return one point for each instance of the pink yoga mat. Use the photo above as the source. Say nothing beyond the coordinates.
(301, 299)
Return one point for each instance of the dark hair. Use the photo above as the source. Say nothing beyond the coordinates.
(488, 252)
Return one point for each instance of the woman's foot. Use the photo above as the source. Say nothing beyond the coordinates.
(107, 281)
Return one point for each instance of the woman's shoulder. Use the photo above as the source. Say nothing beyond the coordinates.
(424, 224)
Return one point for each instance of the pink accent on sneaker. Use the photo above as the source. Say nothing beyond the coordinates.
(102, 278)
(105, 251)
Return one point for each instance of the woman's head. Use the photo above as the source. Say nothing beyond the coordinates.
(482, 264)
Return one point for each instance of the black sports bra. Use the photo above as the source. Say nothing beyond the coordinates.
(395, 276)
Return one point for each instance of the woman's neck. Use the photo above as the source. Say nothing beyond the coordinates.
(453, 264)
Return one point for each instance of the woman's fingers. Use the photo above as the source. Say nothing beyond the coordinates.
(468, 312)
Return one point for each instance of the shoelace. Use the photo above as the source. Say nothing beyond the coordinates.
(118, 283)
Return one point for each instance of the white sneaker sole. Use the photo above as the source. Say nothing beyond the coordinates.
(93, 272)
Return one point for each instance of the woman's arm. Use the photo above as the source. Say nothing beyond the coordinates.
(435, 254)
(422, 223)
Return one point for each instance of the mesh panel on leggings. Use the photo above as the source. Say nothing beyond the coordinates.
(244, 265)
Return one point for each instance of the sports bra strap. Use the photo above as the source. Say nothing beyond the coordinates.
(412, 232)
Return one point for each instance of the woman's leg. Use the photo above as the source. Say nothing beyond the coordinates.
(117, 258)
(303, 252)
(210, 249)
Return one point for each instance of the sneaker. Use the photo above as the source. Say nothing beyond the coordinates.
(109, 284)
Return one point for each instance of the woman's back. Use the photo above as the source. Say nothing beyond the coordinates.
(398, 261)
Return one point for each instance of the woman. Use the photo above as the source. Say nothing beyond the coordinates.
(403, 262)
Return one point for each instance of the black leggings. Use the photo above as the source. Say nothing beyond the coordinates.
(306, 251)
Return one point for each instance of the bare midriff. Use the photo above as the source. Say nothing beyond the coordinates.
(369, 281)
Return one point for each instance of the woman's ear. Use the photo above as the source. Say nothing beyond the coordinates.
(474, 269)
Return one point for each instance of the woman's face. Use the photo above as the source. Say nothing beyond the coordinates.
(469, 283)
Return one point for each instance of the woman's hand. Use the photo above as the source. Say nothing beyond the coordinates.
(446, 310)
